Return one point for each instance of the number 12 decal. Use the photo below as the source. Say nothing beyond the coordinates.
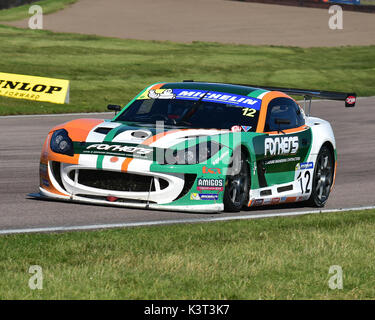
(249, 112)
(305, 181)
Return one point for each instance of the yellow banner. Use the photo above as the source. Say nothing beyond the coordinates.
(34, 88)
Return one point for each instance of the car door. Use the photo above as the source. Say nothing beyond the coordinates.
(285, 143)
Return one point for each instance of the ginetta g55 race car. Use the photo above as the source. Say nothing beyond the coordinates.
(196, 146)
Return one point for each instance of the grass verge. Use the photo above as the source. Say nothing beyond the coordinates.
(278, 258)
(107, 70)
(22, 12)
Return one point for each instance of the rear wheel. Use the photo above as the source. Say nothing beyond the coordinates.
(237, 184)
(323, 178)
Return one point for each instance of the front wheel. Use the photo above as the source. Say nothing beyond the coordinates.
(323, 178)
(237, 184)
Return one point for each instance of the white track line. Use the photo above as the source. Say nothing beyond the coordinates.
(167, 222)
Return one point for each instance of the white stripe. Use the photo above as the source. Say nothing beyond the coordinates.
(176, 221)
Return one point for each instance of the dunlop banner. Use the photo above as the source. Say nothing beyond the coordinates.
(34, 88)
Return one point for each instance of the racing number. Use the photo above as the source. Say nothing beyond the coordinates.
(307, 176)
(249, 112)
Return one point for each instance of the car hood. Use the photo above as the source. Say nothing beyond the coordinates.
(101, 131)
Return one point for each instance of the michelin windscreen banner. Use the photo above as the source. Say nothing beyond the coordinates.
(34, 88)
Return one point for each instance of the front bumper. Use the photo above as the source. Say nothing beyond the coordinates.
(134, 189)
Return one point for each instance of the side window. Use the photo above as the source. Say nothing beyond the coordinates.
(283, 109)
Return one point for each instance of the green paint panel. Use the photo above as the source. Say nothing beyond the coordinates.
(256, 93)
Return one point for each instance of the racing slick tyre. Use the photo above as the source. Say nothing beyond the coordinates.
(237, 184)
(323, 178)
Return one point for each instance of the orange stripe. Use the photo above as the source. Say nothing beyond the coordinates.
(157, 86)
(159, 135)
(125, 164)
(293, 130)
(147, 142)
(78, 131)
(264, 107)
(334, 176)
(290, 199)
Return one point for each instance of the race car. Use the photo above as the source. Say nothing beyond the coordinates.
(196, 146)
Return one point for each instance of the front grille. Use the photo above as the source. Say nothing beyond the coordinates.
(118, 181)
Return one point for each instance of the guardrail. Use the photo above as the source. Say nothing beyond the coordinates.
(316, 4)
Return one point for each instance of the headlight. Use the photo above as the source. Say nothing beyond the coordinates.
(61, 143)
(193, 155)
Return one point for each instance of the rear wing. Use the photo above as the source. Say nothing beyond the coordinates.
(349, 98)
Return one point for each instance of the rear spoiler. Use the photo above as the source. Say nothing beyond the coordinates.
(349, 98)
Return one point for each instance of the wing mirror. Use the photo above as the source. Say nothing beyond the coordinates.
(114, 107)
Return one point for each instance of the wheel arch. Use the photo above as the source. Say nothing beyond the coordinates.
(331, 148)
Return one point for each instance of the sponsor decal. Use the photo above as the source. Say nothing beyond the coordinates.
(246, 128)
(275, 200)
(108, 149)
(204, 196)
(211, 96)
(210, 184)
(236, 129)
(258, 202)
(211, 170)
(278, 161)
(267, 201)
(161, 94)
(305, 166)
(283, 199)
(350, 100)
(34, 88)
(281, 146)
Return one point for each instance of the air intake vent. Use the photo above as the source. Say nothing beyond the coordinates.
(102, 130)
(286, 188)
(266, 192)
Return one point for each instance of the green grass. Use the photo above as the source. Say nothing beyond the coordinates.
(106, 70)
(278, 258)
(22, 12)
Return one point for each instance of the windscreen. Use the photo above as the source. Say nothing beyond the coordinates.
(194, 109)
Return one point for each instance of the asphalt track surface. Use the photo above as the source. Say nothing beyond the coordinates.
(22, 138)
(210, 20)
